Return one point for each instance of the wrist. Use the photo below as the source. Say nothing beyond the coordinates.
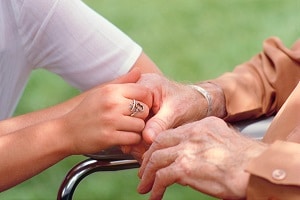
(215, 98)
(60, 137)
(207, 97)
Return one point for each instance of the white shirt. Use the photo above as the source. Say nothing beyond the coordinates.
(62, 36)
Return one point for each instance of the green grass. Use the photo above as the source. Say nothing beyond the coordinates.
(190, 41)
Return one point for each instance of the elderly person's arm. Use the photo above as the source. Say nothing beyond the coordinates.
(253, 89)
(256, 88)
(260, 86)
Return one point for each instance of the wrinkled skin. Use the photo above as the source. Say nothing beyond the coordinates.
(206, 155)
(173, 104)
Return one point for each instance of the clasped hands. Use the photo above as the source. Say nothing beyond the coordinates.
(186, 148)
(123, 112)
(205, 154)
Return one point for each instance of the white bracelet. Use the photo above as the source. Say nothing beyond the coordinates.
(206, 95)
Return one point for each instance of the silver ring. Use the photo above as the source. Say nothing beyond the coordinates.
(135, 107)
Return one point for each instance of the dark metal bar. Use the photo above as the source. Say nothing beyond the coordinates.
(89, 166)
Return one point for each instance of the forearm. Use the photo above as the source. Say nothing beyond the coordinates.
(29, 119)
(28, 151)
(143, 63)
(146, 65)
(86, 129)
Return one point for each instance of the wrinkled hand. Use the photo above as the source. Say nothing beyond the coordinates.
(206, 155)
(174, 104)
(102, 119)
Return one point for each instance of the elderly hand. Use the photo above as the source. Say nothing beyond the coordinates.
(175, 104)
(206, 155)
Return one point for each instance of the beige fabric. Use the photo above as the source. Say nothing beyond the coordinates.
(261, 189)
(286, 120)
(259, 88)
(281, 155)
(262, 185)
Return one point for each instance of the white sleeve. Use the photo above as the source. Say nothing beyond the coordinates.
(70, 39)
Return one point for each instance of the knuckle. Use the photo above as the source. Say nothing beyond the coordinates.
(159, 175)
(152, 160)
(154, 157)
(110, 88)
(106, 134)
(185, 167)
(158, 142)
(111, 104)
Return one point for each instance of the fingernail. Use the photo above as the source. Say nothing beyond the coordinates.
(140, 189)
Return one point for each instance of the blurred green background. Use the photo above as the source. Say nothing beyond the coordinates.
(190, 41)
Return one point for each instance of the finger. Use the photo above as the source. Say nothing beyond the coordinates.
(136, 109)
(158, 160)
(137, 92)
(161, 121)
(164, 178)
(132, 91)
(119, 97)
(124, 131)
(166, 139)
(138, 151)
(131, 77)
(130, 124)
(125, 138)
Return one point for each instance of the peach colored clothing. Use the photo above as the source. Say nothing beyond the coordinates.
(258, 88)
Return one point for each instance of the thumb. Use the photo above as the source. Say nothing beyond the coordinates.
(131, 77)
(161, 121)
